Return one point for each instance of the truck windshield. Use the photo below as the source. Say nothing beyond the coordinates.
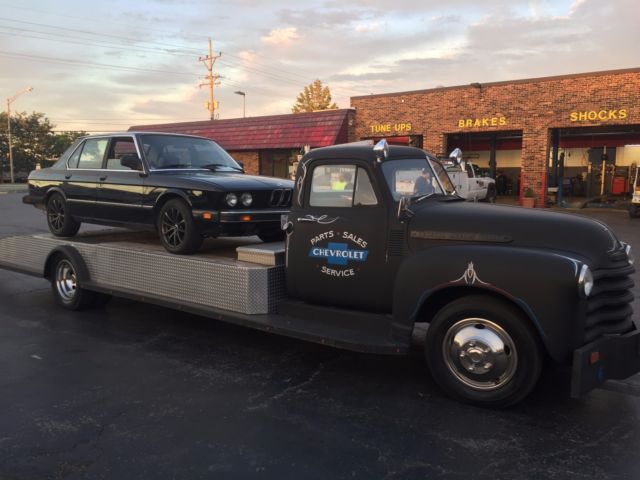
(414, 177)
(164, 152)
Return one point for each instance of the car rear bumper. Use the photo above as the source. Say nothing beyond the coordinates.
(608, 358)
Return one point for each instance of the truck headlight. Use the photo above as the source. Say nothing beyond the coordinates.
(246, 199)
(231, 199)
(630, 258)
(585, 281)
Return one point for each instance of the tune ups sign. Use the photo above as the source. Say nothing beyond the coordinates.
(339, 253)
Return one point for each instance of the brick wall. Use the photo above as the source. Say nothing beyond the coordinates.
(532, 106)
(251, 160)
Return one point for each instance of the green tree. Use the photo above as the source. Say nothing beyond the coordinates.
(33, 141)
(314, 97)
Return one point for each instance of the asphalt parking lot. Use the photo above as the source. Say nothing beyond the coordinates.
(137, 391)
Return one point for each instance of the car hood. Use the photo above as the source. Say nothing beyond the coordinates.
(228, 181)
(447, 222)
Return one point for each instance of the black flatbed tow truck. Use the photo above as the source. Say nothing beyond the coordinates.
(372, 251)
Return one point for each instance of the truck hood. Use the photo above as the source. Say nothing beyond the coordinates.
(445, 222)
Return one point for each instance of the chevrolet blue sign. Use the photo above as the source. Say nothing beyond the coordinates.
(339, 254)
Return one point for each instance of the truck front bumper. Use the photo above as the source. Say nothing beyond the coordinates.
(611, 357)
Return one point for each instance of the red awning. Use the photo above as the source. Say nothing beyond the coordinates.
(291, 131)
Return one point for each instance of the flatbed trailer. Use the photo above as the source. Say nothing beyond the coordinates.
(240, 281)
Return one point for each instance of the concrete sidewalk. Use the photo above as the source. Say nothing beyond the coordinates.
(13, 187)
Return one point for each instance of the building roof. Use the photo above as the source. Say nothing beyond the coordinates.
(316, 129)
(506, 82)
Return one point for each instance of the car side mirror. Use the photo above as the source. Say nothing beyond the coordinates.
(131, 161)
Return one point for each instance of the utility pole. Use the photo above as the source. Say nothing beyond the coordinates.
(212, 80)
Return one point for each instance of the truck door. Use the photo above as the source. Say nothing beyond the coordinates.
(337, 245)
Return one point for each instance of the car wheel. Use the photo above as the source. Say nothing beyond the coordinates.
(483, 351)
(60, 222)
(633, 210)
(275, 235)
(66, 286)
(177, 229)
(491, 195)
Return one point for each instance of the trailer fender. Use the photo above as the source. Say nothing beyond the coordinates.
(71, 253)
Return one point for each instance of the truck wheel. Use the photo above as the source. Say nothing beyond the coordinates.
(177, 229)
(60, 223)
(633, 210)
(66, 287)
(482, 351)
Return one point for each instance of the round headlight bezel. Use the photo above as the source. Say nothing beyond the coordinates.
(246, 199)
(585, 281)
(231, 199)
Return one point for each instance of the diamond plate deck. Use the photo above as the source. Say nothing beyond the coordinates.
(133, 263)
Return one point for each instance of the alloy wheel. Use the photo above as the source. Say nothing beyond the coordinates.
(174, 227)
(56, 213)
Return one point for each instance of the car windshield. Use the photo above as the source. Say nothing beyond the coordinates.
(414, 178)
(164, 152)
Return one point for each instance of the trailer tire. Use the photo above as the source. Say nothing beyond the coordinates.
(60, 222)
(177, 229)
(66, 285)
(483, 351)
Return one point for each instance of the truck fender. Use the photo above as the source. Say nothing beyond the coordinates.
(72, 253)
(542, 284)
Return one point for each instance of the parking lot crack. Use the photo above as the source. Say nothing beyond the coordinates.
(288, 390)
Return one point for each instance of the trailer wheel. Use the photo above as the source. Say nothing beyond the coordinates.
(633, 210)
(60, 222)
(66, 287)
(483, 351)
(177, 229)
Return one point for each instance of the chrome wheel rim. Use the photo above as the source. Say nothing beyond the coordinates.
(55, 213)
(66, 281)
(174, 227)
(480, 353)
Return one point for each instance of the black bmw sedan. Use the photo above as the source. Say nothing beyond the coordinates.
(185, 187)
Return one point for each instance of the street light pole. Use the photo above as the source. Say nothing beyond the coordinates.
(244, 99)
(9, 101)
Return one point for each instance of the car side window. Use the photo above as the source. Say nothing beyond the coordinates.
(341, 186)
(93, 153)
(120, 151)
(73, 159)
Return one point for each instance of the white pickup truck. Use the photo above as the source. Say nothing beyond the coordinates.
(468, 184)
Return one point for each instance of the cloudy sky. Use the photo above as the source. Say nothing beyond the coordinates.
(107, 65)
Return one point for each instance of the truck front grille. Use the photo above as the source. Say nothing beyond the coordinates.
(609, 306)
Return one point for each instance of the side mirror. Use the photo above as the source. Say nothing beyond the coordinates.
(131, 161)
(456, 155)
(404, 212)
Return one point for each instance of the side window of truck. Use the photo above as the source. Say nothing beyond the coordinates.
(341, 186)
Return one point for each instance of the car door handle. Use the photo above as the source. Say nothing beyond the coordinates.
(103, 178)
(68, 176)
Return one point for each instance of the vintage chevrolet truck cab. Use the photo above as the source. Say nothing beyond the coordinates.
(377, 244)
(501, 287)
